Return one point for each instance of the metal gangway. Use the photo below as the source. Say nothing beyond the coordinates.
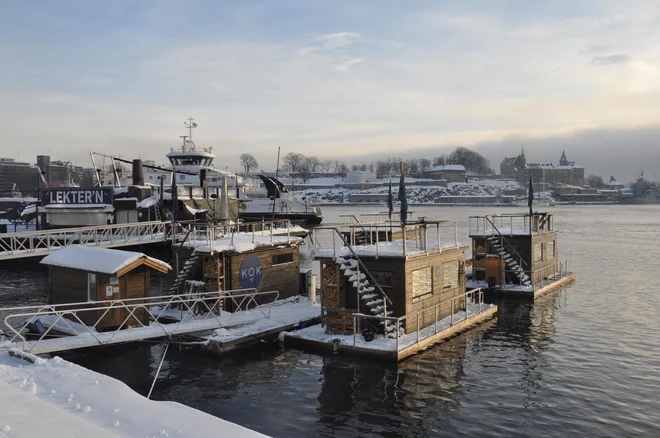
(74, 326)
(43, 242)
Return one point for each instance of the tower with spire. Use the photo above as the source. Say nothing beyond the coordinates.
(563, 161)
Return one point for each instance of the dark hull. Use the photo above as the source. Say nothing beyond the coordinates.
(308, 218)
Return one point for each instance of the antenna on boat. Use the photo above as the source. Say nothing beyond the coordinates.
(190, 124)
(183, 146)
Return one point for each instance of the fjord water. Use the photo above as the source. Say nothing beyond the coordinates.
(582, 361)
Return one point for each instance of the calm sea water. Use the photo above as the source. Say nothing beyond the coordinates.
(584, 361)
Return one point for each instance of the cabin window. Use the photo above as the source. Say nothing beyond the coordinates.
(280, 259)
(451, 271)
(551, 250)
(422, 282)
(538, 253)
(384, 279)
(91, 287)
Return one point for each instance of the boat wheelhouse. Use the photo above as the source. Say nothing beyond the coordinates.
(516, 253)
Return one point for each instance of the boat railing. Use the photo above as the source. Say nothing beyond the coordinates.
(205, 234)
(537, 277)
(511, 224)
(424, 323)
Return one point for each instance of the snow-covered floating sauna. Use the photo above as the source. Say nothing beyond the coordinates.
(517, 254)
(261, 256)
(87, 275)
(389, 291)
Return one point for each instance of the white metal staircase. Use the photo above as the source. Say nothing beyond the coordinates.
(370, 300)
(509, 262)
(184, 275)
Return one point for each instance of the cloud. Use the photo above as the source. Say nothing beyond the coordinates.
(348, 65)
(410, 77)
(609, 59)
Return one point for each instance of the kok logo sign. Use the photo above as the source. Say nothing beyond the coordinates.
(251, 272)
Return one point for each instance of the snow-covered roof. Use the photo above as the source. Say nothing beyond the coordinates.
(94, 259)
(570, 165)
(455, 167)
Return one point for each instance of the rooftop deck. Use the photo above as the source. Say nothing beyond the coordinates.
(522, 224)
(381, 237)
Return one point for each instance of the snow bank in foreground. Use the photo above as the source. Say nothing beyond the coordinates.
(56, 398)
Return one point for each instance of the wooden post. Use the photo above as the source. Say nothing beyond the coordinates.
(404, 240)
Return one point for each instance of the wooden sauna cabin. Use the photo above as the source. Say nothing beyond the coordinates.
(510, 250)
(243, 261)
(416, 276)
(83, 274)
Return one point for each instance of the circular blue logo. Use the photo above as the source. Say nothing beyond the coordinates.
(251, 272)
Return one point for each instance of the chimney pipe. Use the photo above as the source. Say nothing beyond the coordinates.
(138, 173)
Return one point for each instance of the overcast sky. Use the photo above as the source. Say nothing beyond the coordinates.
(351, 80)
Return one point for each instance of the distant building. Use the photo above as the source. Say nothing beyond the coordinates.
(567, 172)
(17, 176)
(511, 166)
(59, 173)
(449, 172)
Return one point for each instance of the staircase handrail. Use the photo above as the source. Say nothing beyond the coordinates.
(364, 268)
(505, 239)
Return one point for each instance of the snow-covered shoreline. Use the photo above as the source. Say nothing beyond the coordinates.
(56, 398)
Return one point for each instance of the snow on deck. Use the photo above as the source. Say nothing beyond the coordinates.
(386, 249)
(282, 313)
(55, 398)
(95, 259)
(243, 242)
(317, 333)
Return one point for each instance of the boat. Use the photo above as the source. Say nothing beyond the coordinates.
(189, 161)
(641, 192)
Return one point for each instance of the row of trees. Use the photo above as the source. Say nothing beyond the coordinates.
(299, 163)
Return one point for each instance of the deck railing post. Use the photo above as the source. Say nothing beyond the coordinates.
(456, 234)
(385, 313)
(354, 326)
(437, 231)
(417, 327)
(452, 312)
(397, 335)
(435, 320)
(466, 306)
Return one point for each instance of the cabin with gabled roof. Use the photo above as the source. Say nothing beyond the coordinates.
(83, 274)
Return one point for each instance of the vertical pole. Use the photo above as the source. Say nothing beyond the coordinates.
(403, 227)
(354, 331)
(466, 306)
(397, 336)
(385, 313)
(417, 327)
(456, 234)
(435, 321)
(357, 289)
(452, 312)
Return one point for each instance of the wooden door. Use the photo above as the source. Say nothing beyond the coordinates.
(110, 288)
(135, 286)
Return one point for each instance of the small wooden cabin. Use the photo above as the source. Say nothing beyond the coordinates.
(416, 277)
(244, 261)
(79, 274)
(514, 249)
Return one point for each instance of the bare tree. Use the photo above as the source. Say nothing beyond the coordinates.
(355, 167)
(336, 165)
(248, 161)
(343, 168)
(326, 165)
(424, 164)
(314, 163)
(294, 160)
(440, 160)
(412, 166)
(472, 161)
(371, 167)
(594, 181)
